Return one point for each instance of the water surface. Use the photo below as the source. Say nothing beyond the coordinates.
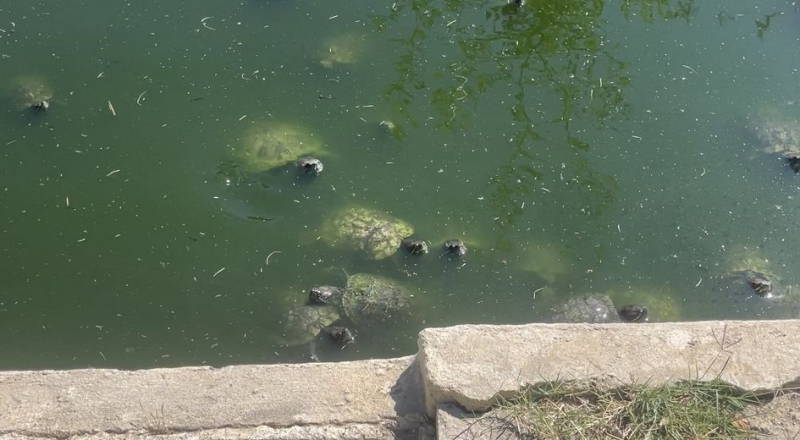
(576, 146)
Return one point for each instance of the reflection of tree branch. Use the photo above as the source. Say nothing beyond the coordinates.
(763, 26)
(648, 9)
(556, 50)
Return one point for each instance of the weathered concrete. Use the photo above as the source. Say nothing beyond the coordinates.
(474, 365)
(469, 366)
(333, 432)
(368, 399)
(454, 424)
(778, 419)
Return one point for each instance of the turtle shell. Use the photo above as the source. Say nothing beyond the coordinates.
(303, 323)
(592, 308)
(370, 300)
(745, 284)
(341, 49)
(274, 144)
(375, 233)
(28, 91)
(774, 130)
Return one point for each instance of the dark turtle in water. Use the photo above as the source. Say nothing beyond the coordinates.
(747, 283)
(455, 247)
(340, 336)
(325, 294)
(415, 247)
(310, 165)
(633, 313)
(597, 308)
(794, 160)
(368, 300)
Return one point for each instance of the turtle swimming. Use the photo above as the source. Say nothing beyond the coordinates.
(31, 92)
(273, 144)
(368, 300)
(376, 234)
(310, 165)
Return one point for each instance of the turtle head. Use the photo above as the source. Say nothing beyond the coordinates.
(324, 294)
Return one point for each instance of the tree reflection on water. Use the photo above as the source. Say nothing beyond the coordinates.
(555, 62)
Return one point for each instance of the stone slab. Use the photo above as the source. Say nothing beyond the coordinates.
(778, 419)
(335, 432)
(452, 423)
(474, 365)
(380, 393)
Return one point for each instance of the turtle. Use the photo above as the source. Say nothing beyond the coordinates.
(275, 144)
(633, 313)
(794, 160)
(310, 165)
(376, 234)
(345, 48)
(749, 287)
(742, 258)
(592, 308)
(415, 247)
(749, 294)
(31, 92)
(774, 131)
(368, 300)
(455, 247)
(341, 336)
(663, 304)
(371, 299)
(749, 283)
(302, 323)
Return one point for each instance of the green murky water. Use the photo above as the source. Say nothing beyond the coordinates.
(575, 146)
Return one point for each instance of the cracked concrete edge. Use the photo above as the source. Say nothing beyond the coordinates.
(384, 394)
(337, 432)
(476, 365)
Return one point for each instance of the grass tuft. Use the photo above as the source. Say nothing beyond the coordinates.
(588, 410)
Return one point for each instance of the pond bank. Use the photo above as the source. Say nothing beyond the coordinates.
(470, 366)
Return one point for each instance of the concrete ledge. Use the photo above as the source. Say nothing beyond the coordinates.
(474, 365)
(460, 370)
(373, 399)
